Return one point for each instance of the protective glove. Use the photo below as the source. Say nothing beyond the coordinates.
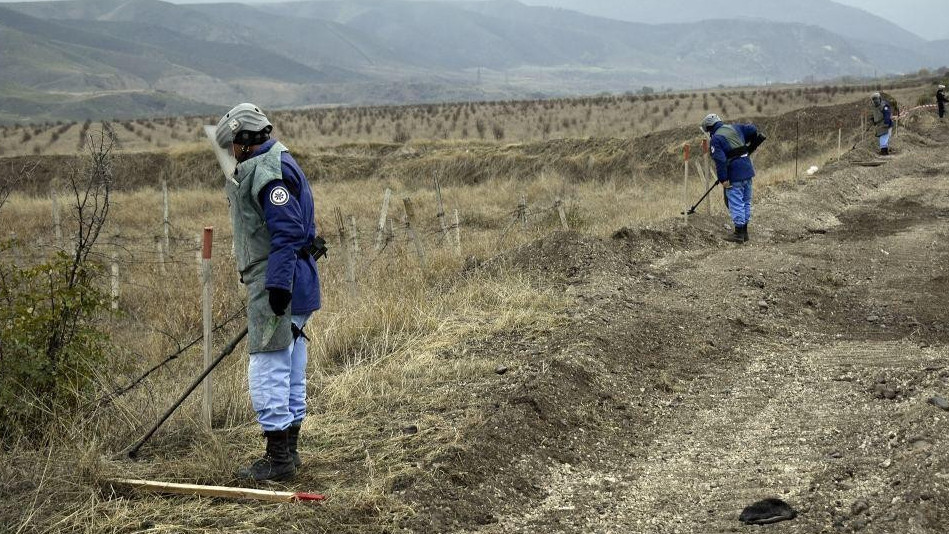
(726, 184)
(279, 300)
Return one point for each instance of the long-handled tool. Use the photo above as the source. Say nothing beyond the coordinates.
(697, 204)
(132, 450)
(216, 491)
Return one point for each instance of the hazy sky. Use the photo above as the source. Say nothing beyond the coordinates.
(926, 18)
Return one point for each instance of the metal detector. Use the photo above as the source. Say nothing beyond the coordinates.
(697, 204)
(132, 450)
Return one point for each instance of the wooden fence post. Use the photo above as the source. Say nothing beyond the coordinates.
(57, 220)
(161, 256)
(354, 234)
(441, 208)
(685, 181)
(457, 234)
(863, 127)
(199, 247)
(166, 223)
(348, 251)
(563, 215)
(840, 133)
(206, 296)
(383, 215)
(410, 228)
(114, 271)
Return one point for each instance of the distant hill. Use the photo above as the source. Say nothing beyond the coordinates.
(391, 51)
(845, 20)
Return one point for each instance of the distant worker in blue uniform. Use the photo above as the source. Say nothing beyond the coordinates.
(941, 100)
(883, 121)
(731, 146)
(276, 247)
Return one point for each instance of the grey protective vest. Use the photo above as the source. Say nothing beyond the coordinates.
(251, 237)
(735, 142)
(266, 332)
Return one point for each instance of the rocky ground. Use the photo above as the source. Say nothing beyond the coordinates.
(696, 377)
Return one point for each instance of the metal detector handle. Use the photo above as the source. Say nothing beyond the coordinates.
(132, 451)
(697, 204)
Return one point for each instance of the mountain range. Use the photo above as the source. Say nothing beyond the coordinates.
(77, 59)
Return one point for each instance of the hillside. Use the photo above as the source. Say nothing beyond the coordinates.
(385, 51)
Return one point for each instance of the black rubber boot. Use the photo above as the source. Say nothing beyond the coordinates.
(276, 465)
(293, 435)
(739, 236)
(885, 151)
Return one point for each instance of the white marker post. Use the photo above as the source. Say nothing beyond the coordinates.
(206, 295)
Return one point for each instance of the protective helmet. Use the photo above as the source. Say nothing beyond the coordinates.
(710, 120)
(941, 86)
(245, 124)
(876, 97)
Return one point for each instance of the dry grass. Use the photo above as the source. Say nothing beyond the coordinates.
(382, 359)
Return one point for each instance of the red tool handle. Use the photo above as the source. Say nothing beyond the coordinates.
(309, 497)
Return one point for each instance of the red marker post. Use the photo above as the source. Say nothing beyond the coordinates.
(686, 149)
(206, 313)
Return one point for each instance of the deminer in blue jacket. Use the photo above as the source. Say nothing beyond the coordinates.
(883, 120)
(276, 246)
(730, 146)
(941, 100)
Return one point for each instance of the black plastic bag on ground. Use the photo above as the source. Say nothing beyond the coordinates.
(766, 512)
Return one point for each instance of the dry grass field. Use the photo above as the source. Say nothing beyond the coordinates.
(390, 398)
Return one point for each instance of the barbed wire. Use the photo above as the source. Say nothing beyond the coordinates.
(110, 397)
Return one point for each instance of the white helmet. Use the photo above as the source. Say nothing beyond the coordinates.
(710, 120)
(244, 124)
(941, 86)
(876, 98)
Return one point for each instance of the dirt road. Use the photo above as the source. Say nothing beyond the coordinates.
(695, 377)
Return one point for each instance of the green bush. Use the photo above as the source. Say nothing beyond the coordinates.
(48, 342)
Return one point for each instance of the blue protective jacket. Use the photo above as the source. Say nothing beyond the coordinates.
(289, 212)
(732, 169)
